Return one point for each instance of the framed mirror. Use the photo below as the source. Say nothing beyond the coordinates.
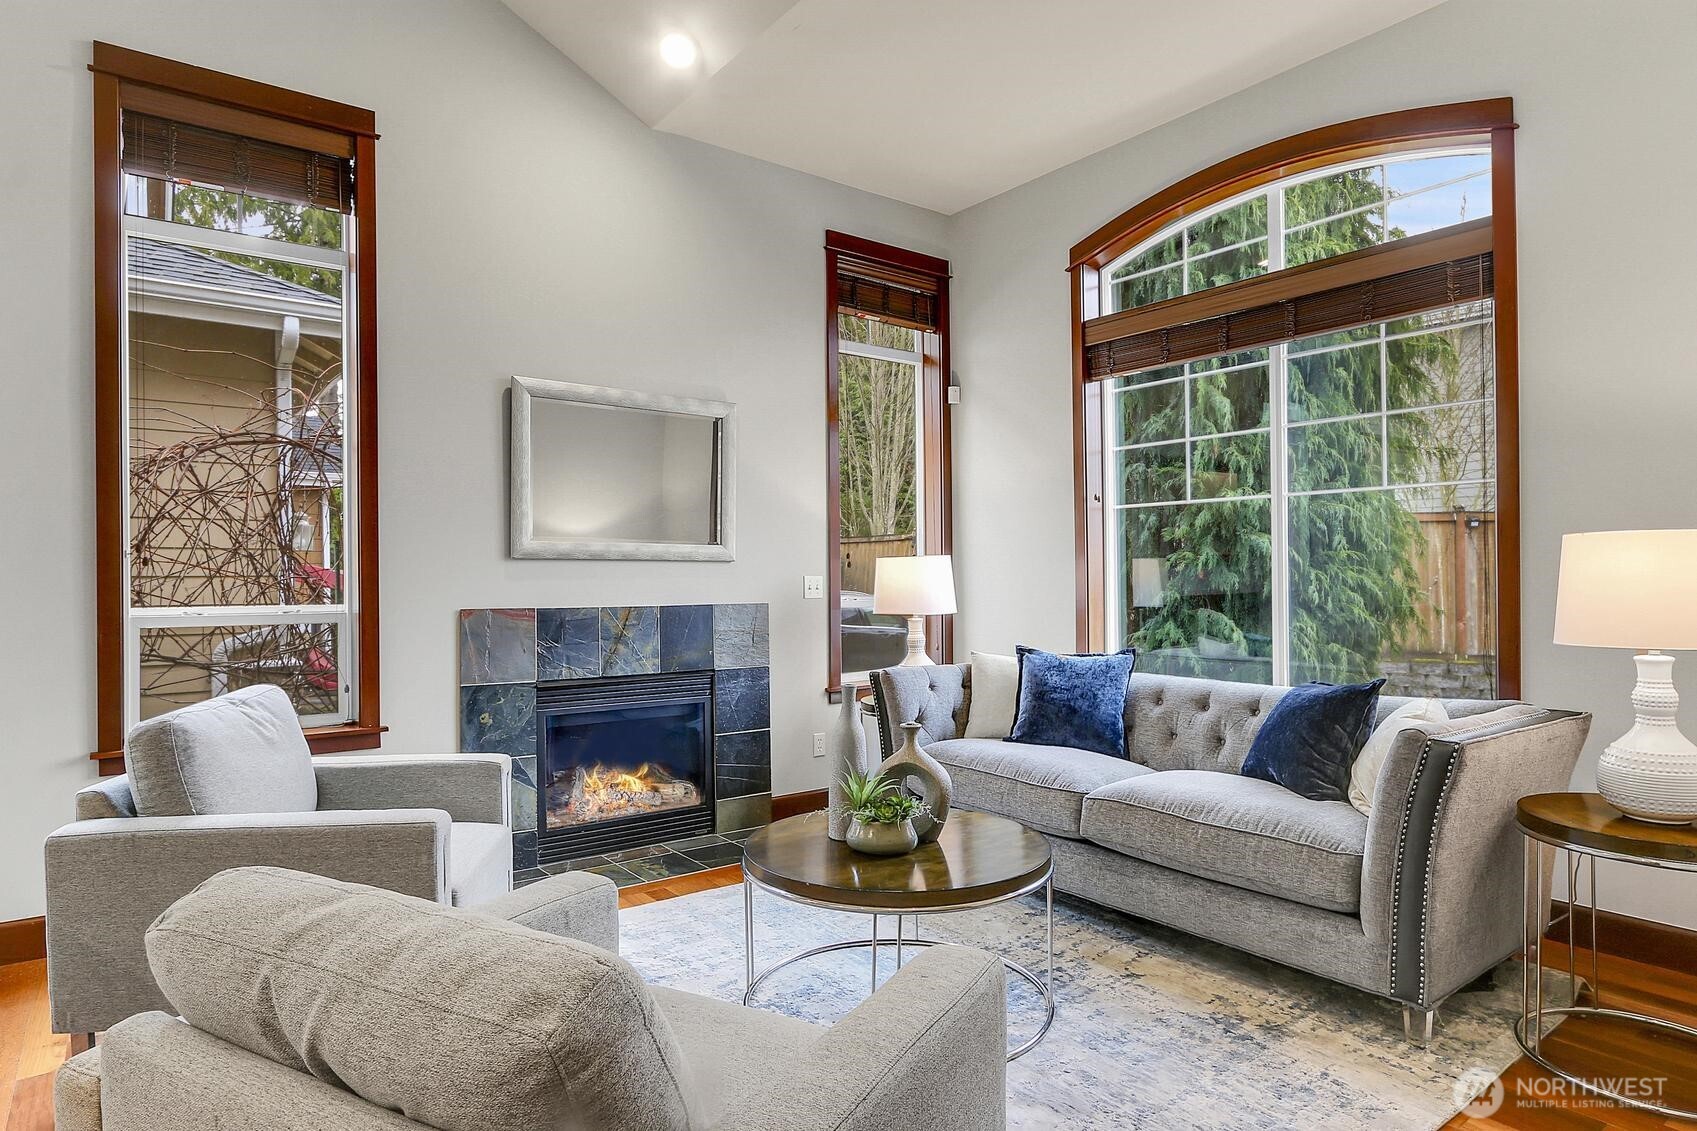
(612, 474)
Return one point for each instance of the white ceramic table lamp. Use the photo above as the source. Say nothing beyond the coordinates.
(914, 588)
(1638, 589)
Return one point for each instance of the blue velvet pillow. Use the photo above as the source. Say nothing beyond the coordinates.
(1076, 701)
(1312, 736)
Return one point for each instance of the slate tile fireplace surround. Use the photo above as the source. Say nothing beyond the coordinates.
(641, 723)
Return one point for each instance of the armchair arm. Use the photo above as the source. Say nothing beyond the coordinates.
(469, 787)
(108, 879)
(929, 1047)
(573, 905)
(1441, 879)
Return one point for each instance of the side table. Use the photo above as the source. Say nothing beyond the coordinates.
(1583, 828)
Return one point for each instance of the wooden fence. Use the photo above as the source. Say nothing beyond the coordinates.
(860, 558)
(1457, 566)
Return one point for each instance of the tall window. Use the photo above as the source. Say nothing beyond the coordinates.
(886, 349)
(235, 446)
(1297, 392)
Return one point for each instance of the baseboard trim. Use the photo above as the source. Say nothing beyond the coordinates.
(790, 804)
(1641, 940)
(23, 940)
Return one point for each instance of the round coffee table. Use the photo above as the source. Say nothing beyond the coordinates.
(978, 860)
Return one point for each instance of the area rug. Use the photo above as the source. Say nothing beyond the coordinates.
(1153, 1028)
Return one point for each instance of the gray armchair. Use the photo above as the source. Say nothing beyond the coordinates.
(426, 1017)
(230, 782)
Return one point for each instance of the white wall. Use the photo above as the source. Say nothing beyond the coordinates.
(595, 250)
(1604, 94)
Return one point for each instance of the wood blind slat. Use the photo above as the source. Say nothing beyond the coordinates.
(160, 147)
(1398, 295)
(887, 301)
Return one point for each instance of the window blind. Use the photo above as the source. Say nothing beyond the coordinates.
(890, 294)
(1428, 287)
(160, 147)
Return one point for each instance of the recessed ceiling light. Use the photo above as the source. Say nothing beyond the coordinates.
(678, 50)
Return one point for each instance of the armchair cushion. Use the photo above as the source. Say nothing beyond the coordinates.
(456, 1020)
(573, 905)
(239, 753)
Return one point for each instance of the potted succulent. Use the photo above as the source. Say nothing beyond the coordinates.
(880, 815)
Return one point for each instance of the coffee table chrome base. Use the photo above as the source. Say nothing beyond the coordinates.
(1045, 987)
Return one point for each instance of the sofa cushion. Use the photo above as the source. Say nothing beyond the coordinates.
(1242, 831)
(456, 1020)
(1039, 786)
(239, 753)
(1076, 701)
(480, 862)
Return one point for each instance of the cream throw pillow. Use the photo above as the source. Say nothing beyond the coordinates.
(995, 689)
(1364, 775)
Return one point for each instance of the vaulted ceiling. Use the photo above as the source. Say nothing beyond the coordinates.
(941, 103)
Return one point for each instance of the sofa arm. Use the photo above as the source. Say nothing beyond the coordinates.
(929, 1048)
(108, 797)
(108, 879)
(934, 695)
(468, 787)
(573, 905)
(1441, 879)
(76, 1093)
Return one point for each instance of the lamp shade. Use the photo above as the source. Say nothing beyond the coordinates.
(914, 587)
(1628, 589)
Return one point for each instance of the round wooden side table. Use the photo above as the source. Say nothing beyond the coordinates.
(1583, 828)
(979, 859)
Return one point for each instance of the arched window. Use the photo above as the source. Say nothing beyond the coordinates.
(1295, 409)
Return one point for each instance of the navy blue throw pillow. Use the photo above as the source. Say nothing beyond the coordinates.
(1076, 701)
(1312, 736)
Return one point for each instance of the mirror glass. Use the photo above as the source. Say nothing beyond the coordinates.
(612, 474)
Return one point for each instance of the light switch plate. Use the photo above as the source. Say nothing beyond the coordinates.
(813, 586)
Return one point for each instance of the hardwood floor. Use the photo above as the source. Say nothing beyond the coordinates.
(30, 1053)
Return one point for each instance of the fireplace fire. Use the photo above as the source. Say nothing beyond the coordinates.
(623, 761)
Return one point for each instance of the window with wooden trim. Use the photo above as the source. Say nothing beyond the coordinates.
(235, 398)
(887, 438)
(1295, 403)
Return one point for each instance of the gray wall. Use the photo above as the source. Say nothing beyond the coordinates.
(1604, 95)
(597, 251)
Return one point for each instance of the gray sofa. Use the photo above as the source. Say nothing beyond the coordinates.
(308, 1004)
(1412, 902)
(230, 782)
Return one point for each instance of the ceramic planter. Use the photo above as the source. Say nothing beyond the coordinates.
(880, 838)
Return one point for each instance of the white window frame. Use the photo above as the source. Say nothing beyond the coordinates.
(342, 615)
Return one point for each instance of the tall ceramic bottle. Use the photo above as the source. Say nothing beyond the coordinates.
(846, 751)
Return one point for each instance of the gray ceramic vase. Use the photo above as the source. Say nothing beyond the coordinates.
(881, 838)
(845, 746)
(924, 777)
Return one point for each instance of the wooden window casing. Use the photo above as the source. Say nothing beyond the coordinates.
(272, 117)
(1240, 313)
(910, 289)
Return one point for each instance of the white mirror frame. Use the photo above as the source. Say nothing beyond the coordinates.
(524, 545)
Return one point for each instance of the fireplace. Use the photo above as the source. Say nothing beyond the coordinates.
(622, 761)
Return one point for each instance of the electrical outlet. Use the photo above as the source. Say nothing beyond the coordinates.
(813, 586)
(819, 745)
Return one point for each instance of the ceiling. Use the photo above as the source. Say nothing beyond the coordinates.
(940, 103)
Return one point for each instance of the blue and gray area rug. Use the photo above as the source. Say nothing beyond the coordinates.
(1153, 1029)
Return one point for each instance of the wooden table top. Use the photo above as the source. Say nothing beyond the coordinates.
(978, 858)
(1586, 822)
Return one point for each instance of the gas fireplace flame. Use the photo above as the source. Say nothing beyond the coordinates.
(602, 792)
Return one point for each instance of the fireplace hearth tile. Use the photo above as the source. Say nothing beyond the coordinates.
(742, 812)
(524, 851)
(741, 636)
(527, 876)
(742, 700)
(742, 763)
(630, 640)
(568, 644)
(524, 793)
(686, 638)
(716, 855)
(661, 867)
(619, 875)
(498, 719)
(497, 646)
(626, 855)
(739, 835)
(690, 842)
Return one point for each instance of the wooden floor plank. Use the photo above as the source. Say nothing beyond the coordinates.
(29, 1052)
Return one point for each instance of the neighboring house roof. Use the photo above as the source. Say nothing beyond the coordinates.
(175, 263)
